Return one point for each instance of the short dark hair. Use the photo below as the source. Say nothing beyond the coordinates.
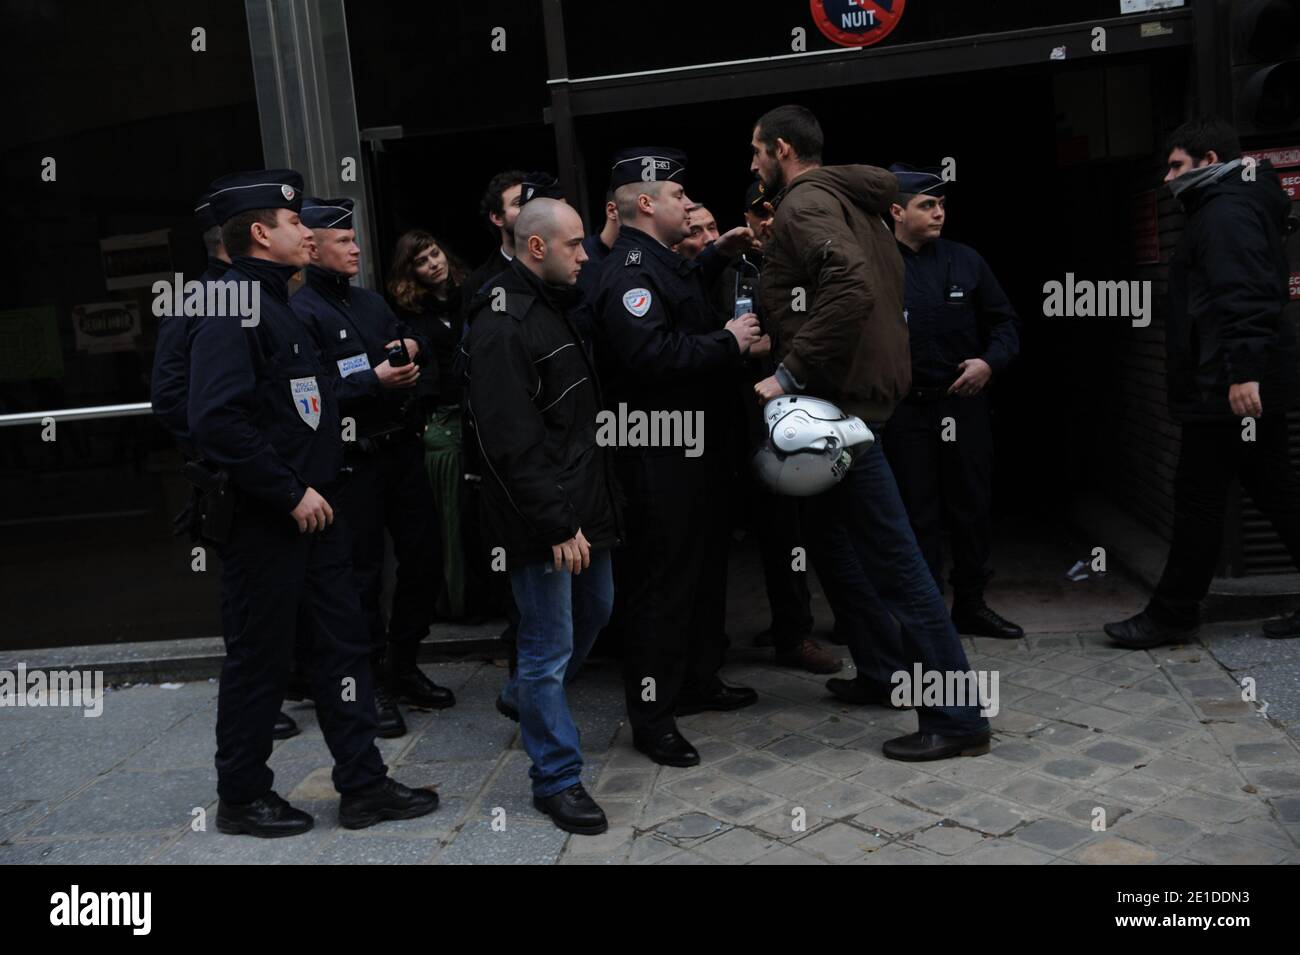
(904, 198)
(235, 234)
(492, 202)
(797, 126)
(1199, 136)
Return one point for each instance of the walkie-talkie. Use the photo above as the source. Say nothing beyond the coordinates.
(398, 355)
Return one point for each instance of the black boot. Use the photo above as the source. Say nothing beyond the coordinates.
(268, 817)
(1284, 628)
(386, 799)
(407, 683)
(285, 727)
(669, 748)
(573, 811)
(860, 692)
(391, 725)
(716, 696)
(971, 615)
(1142, 632)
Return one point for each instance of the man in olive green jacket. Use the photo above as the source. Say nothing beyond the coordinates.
(833, 289)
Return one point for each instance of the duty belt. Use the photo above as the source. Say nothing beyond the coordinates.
(925, 393)
(383, 440)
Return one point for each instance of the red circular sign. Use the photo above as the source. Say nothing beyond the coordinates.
(856, 22)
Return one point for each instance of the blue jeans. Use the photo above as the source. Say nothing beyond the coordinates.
(882, 590)
(560, 615)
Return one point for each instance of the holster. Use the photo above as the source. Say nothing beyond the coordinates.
(211, 509)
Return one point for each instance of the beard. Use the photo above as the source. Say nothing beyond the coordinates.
(774, 185)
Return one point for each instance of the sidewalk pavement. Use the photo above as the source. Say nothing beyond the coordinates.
(1159, 747)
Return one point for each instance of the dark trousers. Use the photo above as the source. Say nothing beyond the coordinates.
(1212, 454)
(269, 575)
(778, 533)
(390, 490)
(670, 583)
(865, 514)
(947, 484)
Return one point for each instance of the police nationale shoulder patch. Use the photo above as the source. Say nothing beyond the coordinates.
(637, 301)
(633, 257)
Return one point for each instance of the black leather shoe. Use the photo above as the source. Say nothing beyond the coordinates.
(391, 725)
(285, 727)
(924, 747)
(386, 799)
(506, 710)
(411, 686)
(976, 618)
(269, 817)
(667, 749)
(1284, 628)
(717, 697)
(573, 811)
(861, 693)
(1140, 632)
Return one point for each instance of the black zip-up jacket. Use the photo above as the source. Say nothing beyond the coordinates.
(441, 324)
(532, 401)
(1227, 290)
(351, 327)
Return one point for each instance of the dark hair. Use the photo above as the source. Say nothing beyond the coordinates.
(904, 198)
(404, 288)
(1201, 135)
(235, 234)
(797, 126)
(492, 202)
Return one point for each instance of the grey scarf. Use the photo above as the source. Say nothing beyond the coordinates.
(1202, 176)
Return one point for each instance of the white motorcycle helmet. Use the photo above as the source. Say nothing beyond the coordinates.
(810, 445)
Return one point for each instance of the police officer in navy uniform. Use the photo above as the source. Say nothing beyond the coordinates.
(661, 346)
(355, 331)
(963, 333)
(258, 409)
(169, 389)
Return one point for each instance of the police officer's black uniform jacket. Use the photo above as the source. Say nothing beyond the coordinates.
(351, 327)
(533, 398)
(259, 404)
(658, 338)
(169, 391)
(955, 310)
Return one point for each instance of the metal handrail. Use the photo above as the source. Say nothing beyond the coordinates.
(78, 414)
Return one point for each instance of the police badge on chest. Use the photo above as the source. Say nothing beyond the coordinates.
(306, 400)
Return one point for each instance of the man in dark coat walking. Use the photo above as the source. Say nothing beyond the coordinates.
(1232, 363)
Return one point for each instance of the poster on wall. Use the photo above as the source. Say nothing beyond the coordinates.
(135, 261)
(103, 327)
